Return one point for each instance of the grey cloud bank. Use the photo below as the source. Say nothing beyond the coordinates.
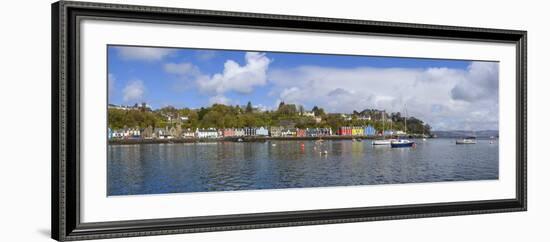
(445, 98)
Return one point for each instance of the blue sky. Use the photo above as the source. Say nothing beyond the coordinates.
(438, 91)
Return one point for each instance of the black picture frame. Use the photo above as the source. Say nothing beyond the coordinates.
(65, 221)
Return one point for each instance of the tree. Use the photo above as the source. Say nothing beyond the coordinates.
(249, 108)
(318, 111)
(281, 104)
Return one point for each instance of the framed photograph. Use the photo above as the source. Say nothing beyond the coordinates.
(170, 120)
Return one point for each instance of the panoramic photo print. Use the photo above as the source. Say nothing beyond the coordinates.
(200, 120)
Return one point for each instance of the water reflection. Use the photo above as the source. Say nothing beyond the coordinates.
(223, 166)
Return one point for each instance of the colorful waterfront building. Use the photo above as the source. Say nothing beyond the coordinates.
(206, 133)
(188, 133)
(326, 131)
(311, 132)
(357, 131)
(118, 134)
(261, 131)
(239, 132)
(345, 131)
(147, 133)
(288, 133)
(300, 132)
(132, 133)
(370, 131)
(228, 132)
(249, 131)
(109, 133)
(275, 131)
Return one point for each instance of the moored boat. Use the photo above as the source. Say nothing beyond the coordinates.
(382, 142)
(466, 141)
(402, 143)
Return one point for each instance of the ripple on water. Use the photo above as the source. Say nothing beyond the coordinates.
(225, 166)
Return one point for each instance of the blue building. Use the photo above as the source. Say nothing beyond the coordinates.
(261, 131)
(370, 131)
(109, 133)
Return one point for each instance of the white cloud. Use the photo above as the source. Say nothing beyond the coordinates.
(144, 53)
(184, 69)
(446, 98)
(133, 91)
(237, 78)
(479, 83)
(219, 99)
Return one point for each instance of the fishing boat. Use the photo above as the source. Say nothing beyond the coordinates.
(466, 141)
(402, 143)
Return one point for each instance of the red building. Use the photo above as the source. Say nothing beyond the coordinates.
(300, 132)
(345, 131)
(228, 132)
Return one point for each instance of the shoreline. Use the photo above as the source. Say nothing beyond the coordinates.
(236, 139)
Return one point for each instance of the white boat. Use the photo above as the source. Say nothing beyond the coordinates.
(466, 141)
(382, 142)
(403, 143)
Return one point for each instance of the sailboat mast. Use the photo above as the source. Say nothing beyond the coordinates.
(406, 120)
(383, 124)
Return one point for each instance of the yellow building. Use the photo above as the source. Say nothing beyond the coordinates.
(357, 131)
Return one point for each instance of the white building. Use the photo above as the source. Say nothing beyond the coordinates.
(239, 132)
(261, 131)
(188, 133)
(206, 133)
